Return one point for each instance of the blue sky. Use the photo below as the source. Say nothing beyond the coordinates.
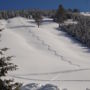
(83, 5)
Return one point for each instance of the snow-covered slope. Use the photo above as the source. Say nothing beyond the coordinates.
(46, 55)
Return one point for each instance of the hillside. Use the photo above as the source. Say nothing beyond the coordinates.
(45, 55)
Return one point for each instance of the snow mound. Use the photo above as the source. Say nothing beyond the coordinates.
(35, 86)
(85, 13)
(49, 87)
(32, 86)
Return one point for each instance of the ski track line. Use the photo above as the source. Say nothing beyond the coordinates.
(54, 51)
(50, 49)
(53, 73)
(48, 80)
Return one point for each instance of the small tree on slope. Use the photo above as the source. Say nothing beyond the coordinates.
(38, 18)
(60, 15)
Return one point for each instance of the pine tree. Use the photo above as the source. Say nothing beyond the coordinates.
(5, 67)
(76, 10)
(60, 15)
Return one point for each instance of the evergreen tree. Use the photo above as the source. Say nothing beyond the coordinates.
(76, 10)
(5, 66)
(60, 15)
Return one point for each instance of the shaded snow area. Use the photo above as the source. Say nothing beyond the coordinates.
(46, 55)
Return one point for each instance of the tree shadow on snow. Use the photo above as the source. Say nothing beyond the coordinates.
(21, 26)
(73, 40)
(31, 21)
(42, 22)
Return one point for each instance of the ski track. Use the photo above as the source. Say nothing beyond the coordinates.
(54, 73)
(51, 49)
(48, 80)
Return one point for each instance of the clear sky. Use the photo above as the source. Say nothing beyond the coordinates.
(83, 5)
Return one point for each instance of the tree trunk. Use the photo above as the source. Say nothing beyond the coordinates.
(38, 24)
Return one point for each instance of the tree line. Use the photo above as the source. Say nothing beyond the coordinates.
(6, 14)
(81, 30)
(36, 14)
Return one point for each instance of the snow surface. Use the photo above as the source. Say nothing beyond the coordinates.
(85, 13)
(46, 54)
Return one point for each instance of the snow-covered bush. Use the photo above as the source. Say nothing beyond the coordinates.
(81, 30)
(49, 87)
(32, 86)
(35, 86)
